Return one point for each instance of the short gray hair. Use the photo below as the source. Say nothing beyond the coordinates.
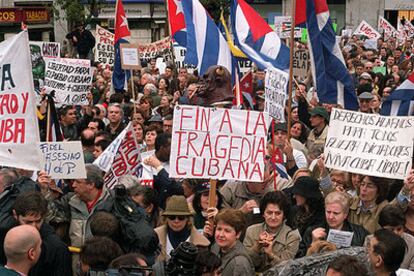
(129, 181)
(151, 87)
(94, 175)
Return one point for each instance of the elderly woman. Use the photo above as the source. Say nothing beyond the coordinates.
(235, 260)
(272, 241)
(178, 228)
(336, 213)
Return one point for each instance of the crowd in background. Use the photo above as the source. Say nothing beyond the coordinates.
(169, 228)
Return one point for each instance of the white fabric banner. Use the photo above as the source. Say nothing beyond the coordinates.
(367, 30)
(19, 130)
(218, 143)
(369, 144)
(387, 28)
(104, 48)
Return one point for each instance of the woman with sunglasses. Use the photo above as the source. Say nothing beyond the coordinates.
(178, 228)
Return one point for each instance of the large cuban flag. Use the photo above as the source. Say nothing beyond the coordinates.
(176, 21)
(256, 39)
(206, 45)
(401, 100)
(333, 82)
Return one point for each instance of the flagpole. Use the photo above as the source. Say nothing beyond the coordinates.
(292, 49)
(133, 91)
(171, 43)
(48, 121)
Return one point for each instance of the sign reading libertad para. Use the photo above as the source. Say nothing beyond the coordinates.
(370, 144)
(218, 143)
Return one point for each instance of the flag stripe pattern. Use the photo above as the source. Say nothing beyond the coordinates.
(333, 82)
(206, 45)
(256, 39)
(401, 100)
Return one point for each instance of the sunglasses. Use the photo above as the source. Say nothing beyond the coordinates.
(175, 217)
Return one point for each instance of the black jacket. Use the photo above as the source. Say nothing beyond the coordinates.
(55, 259)
(357, 240)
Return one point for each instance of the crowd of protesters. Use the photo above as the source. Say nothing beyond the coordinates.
(81, 228)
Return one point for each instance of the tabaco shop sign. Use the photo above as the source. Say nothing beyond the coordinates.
(26, 15)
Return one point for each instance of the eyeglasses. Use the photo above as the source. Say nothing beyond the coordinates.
(176, 217)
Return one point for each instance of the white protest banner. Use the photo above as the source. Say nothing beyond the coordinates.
(367, 30)
(386, 27)
(179, 53)
(409, 28)
(19, 130)
(402, 35)
(301, 62)
(369, 144)
(70, 78)
(340, 238)
(282, 27)
(130, 56)
(160, 48)
(276, 82)
(63, 160)
(38, 51)
(218, 143)
(120, 158)
(346, 32)
(146, 173)
(104, 48)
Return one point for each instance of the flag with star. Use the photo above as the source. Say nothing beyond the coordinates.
(120, 76)
(177, 22)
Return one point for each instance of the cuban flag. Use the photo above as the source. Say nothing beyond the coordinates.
(401, 100)
(176, 21)
(333, 82)
(256, 39)
(206, 45)
(119, 76)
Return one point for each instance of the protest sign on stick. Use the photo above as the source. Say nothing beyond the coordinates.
(63, 160)
(157, 49)
(282, 27)
(19, 130)
(369, 144)
(70, 78)
(104, 48)
(301, 62)
(218, 143)
(120, 158)
(367, 30)
(386, 27)
(276, 82)
(130, 57)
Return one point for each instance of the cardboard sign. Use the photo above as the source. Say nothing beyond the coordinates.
(218, 143)
(367, 30)
(104, 48)
(38, 51)
(160, 48)
(19, 130)
(385, 27)
(369, 144)
(179, 53)
(130, 57)
(120, 158)
(276, 82)
(340, 238)
(63, 160)
(282, 27)
(70, 78)
(301, 63)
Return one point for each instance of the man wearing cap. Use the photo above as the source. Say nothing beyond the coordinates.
(365, 78)
(293, 159)
(364, 102)
(317, 137)
(178, 228)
